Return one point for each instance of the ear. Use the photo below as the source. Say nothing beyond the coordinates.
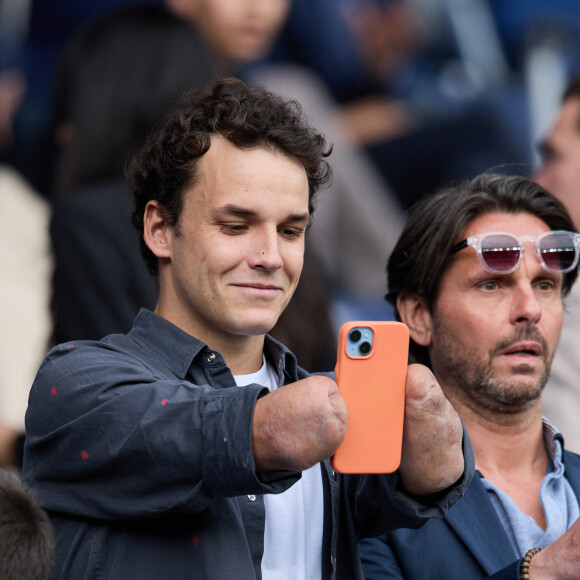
(156, 232)
(414, 312)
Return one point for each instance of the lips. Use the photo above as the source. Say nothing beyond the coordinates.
(259, 290)
(258, 286)
(524, 349)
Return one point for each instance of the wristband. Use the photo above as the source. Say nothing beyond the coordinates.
(525, 566)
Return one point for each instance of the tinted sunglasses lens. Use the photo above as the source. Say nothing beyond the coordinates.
(500, 252)
(558, 252)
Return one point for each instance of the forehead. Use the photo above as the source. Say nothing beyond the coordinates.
(228, 174)
(515, 223)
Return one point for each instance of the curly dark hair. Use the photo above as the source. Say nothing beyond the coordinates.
(437, 222)
(247, 117)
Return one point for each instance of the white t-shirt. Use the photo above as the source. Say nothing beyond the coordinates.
(294, 518)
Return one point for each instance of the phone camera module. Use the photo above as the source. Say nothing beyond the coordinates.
(360, 341)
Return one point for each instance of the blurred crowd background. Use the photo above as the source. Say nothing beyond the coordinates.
(433, 59)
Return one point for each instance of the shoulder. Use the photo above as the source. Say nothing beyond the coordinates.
(571, 460)
(70, 361)
(572, 470)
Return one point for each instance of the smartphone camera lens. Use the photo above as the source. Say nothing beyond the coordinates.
(365, 347)
(355, 335)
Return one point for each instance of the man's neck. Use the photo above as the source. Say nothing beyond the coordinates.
(510, 452)
(244, 359)
(243, 353)
(506, 444)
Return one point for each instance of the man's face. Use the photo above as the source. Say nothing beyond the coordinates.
(560, 170)
(493, 336)
(240, 30)
(235, 257)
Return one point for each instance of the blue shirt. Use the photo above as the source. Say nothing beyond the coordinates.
(557, 497)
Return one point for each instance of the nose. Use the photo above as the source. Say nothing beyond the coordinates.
(265, 254)
(525, 308)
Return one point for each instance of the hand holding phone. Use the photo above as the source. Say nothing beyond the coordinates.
(371, 372)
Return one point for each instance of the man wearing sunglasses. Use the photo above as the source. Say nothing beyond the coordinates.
(478, 275)
(560, 174)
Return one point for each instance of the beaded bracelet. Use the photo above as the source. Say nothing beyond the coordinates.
(525, 567)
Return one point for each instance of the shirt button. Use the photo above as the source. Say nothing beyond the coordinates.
(334, 474)
(211, 357)
(252, 497)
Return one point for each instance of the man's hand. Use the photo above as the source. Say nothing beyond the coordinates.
(432, 457)
(298, 425)
(561, 559)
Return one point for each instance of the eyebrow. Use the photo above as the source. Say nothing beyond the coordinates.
(237, 211)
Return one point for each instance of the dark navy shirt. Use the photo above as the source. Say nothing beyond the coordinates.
(139, 447)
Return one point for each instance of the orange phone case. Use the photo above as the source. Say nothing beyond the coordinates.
(373, 387)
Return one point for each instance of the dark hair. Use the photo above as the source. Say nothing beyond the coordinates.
(26, 536)
(436, 224)
(115, 81)
(245, 116)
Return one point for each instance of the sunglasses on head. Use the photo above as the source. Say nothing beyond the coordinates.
(501, 252)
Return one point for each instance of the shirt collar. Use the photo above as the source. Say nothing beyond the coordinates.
(179, 349)
(281, 357)
(552, 438)
(174, 345)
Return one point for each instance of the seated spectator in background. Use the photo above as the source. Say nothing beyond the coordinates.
(356, 47)
(35, 35)
(26, 537)
(236, 32)
(163, 452)
(115, 81)
(486, 316)
(560, 174)
(423, 111)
